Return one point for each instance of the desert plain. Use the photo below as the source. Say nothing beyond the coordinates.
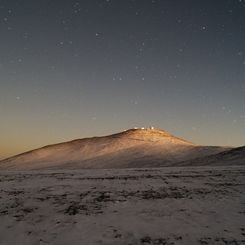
(176, 205)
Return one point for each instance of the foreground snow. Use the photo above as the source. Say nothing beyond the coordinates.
(131, 206)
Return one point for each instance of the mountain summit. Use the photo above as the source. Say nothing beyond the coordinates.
(150, 134)
(138, 147)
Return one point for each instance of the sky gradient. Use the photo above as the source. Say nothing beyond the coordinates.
(73, 69)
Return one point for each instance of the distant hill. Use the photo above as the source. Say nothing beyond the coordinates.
(134, 148)
(231, 157)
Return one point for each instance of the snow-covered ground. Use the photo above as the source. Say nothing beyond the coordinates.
(131, 206)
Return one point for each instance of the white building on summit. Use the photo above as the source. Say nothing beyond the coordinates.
(143, 128)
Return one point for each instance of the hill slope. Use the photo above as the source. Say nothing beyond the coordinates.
(234, 156)
(131, 148)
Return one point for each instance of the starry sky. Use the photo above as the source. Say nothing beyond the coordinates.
(72, 69)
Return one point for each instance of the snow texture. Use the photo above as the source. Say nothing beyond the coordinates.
(124, 206)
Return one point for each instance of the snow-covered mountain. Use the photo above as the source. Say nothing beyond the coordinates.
(144, 147)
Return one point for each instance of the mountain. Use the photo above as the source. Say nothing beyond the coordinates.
(144, 147)
(231, 157)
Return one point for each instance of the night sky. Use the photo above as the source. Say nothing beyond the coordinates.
(73, 69)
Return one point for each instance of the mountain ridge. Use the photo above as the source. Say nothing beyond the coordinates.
(137, 147)
(235, 156)
(133, 132)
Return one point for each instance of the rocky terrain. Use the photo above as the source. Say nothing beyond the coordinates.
(200, 205)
